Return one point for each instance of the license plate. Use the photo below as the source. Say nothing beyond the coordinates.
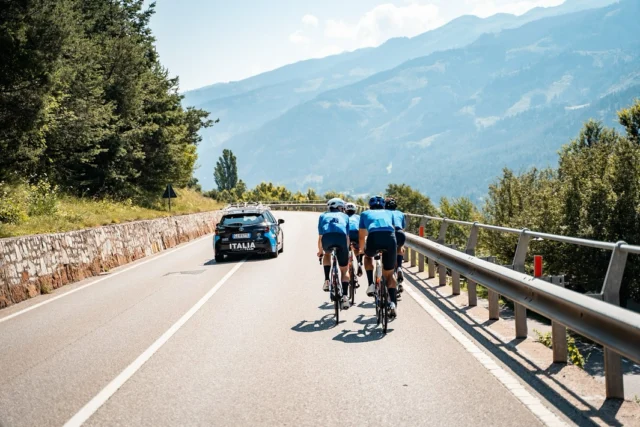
(241, 236)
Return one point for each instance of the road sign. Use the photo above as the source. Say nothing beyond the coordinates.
(169, 194)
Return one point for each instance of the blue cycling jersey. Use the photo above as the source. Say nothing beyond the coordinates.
(377, 220)
(333, 222)
(399, 219)
(354, 223)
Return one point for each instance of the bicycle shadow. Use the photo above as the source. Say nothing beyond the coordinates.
(368, 333)
(360, 320)
(366, 305)
(326, 306)
(325, 323)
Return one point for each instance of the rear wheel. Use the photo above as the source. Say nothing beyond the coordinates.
(336, 304)
(219, 257)
(274, 254)
(384, 305)
(352, 288)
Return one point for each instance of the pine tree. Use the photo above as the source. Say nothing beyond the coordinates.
(226, 171)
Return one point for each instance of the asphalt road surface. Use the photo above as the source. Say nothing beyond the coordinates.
(180, 340)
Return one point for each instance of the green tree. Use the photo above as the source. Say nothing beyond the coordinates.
(226, 171)
(410, 200)
(461, 209)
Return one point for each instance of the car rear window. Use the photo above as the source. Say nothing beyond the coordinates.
(243, 219)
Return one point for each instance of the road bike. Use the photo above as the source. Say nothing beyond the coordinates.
(353, 282)
(381, 295)
(335, 286)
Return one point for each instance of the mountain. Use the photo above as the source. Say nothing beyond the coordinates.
(248, 104)
(448, 122)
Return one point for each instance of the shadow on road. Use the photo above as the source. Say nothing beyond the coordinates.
(508, 354)
(367, 334)
(325, 323)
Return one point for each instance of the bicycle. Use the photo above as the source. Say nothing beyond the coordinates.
(353, 282)
(335, 286)
(381, 295)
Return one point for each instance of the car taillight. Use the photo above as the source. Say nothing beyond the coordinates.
(266, 229)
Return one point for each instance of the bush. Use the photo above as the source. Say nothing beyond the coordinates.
(11, 209)
(43, 199)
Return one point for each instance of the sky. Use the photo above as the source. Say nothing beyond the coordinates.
(211, 41)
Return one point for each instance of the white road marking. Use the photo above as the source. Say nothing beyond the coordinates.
(514, 386)
(50, 300)
(94, 404)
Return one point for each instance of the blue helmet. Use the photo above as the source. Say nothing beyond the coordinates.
(376, 202)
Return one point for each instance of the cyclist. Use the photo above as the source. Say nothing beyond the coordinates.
(354, 224)
(333, 231)
(391, 205)
(377, 225)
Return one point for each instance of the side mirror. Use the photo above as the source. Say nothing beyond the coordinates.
(281, 221)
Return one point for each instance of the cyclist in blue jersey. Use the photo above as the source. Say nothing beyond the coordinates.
(333, 231)
(354, 224)
(377, 226)
(390, 204)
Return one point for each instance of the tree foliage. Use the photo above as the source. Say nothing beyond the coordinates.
(226, 171)
(85, 101)
(594, 194)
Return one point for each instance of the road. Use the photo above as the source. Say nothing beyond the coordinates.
(181, 340)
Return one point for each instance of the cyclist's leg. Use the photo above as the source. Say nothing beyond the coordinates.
(400, 240)
(369, 253)
(328, 241)
(387, 241)
(354, 242)
(342, 252)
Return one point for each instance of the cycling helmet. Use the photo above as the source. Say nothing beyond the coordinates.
(350, 208)
(376, 202)
(390, 204)
(335, 203)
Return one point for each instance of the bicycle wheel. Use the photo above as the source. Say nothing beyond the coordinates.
(384, 305)
(352, 286)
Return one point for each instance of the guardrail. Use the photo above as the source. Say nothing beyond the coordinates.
(597, 317)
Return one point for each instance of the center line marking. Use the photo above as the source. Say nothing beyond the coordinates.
(94, 404)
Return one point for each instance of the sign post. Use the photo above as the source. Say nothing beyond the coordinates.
(169, 194)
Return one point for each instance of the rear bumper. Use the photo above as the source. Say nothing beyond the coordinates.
(244, 246)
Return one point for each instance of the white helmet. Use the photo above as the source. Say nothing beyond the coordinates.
(350, 207)
(335, 203)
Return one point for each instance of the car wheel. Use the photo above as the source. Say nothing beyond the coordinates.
(274, 254)
(282, 247)
(219, 257)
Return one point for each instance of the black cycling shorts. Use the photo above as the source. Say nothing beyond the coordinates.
(382, 240)
(354, 237)
(401, 238)
(338, 241)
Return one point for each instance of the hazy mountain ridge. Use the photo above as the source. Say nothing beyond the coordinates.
(246, 105)
(468, 110)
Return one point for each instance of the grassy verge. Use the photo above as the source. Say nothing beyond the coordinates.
(35, 210)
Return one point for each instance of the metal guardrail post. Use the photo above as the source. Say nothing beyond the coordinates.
(414, 258)
(472, 242)
(442, 236)
(559, 334)
(421, 257)
(614, 382)
(493, 297)
(518, 265)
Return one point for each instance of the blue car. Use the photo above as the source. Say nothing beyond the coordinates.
(248, 228)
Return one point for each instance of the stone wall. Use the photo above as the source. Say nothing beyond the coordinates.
(33, 265)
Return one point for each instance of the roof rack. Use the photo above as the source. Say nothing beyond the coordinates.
(246, 205)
